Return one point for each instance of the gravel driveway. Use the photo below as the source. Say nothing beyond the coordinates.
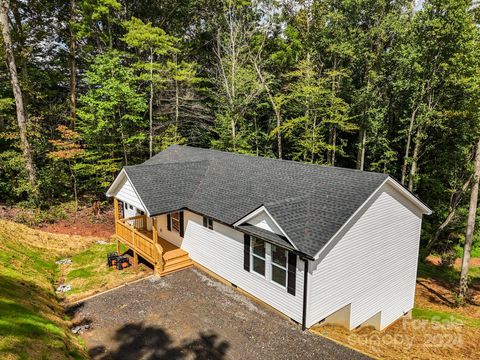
(189, 315)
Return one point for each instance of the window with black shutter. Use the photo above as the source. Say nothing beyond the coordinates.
(246, 252)
(292, 273)
(279, 265)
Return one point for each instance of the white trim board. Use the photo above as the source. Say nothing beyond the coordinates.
(111, 190)
(259, 211)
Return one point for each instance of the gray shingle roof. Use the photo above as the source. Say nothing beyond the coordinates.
(309, 202)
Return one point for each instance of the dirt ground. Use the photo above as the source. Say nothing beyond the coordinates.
(449, 338)
(189, 315)
(102, 226)
(435, 260)
(83, 222)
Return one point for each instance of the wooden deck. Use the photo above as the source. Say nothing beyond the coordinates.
(163, 255)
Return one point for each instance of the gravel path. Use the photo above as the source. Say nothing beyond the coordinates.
(189, 315)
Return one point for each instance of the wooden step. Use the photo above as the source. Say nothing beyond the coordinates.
(174, 254)
(176, 260)
(169, 265)
(169, 268)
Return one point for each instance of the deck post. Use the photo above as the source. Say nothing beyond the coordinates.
(159, 259)
(135, 245)
(154, 230)
(135, 258)
(116, 210)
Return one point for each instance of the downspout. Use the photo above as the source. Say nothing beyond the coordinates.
(305, 292)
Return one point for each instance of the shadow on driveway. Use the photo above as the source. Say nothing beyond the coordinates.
(190, 315)
(138, 341)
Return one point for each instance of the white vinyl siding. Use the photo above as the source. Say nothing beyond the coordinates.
(372, 267)
(221, 251)
(127, 194)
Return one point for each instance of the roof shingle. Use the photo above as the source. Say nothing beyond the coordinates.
(309, 202)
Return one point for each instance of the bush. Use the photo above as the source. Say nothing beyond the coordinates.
(37, 216)
(448, 258)
(475, 249)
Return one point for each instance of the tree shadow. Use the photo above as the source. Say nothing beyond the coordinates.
(138, 341)
(436, 296)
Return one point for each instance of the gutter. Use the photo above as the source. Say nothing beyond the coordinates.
(305, 294)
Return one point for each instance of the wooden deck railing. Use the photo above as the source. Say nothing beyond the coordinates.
(132, 232)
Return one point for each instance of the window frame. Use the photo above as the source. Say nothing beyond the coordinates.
(253, 255)
(273, 264)
(269, 264)
(175, 217)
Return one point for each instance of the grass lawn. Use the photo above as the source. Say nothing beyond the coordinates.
(88, 273)
(32, 320)
(32, 324)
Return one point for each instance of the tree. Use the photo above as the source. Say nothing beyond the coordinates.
(236, 85)
(111, 111)
(432, 63)
(472, 214)
(96, 25)
(17, 92)
(316, 109)
(154, 43)
(180, 110)
(72, 53)
(68, 149)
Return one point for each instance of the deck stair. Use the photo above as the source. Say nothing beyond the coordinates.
(175, 260)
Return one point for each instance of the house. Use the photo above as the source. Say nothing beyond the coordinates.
(317, 243)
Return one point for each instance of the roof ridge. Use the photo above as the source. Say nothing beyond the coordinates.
(296, 162)
(167, 163)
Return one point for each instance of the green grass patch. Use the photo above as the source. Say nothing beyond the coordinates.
(31, 320)
(474, 253)
(89, 272)
(427, 270)
(445, 317)
(446, 274)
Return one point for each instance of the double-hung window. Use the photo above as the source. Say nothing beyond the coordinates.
(175, 221)
(279, 265)
(269, 261)
(258, 256)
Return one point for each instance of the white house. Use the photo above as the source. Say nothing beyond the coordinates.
(317, 243)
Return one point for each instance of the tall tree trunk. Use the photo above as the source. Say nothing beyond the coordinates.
(362, 139)
(275, 107)
(122, 135)
(472, 213)
(17, 92)
(334, 144)
(414, 166)
(177, 100)
(73, 66)
(150, 107)
(279, 133)
(407, 146)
